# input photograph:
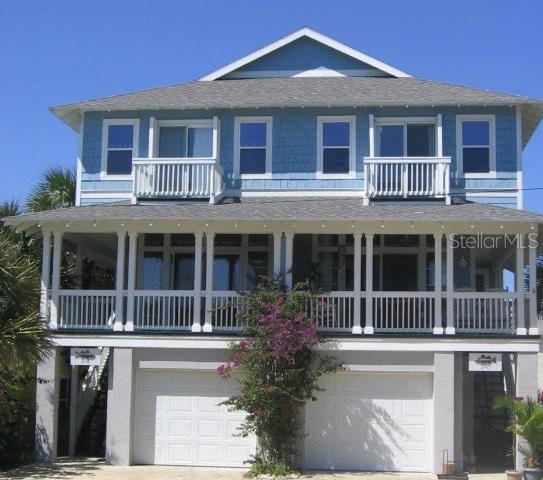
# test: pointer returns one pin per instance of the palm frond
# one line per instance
(55, 190)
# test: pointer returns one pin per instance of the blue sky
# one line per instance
(62, 51)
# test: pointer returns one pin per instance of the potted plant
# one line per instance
(526, 421)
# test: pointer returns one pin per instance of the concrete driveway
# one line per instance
(86, 469)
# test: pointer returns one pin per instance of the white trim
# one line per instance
(389, 368)
(520, 176)
(79, 168)
(101, 194)
(135, 145)
(315, 72)
(356, 343)
(372, 134)
(316, 192)
(492, 144)
(304, 32)
(268, 120)
(321, 120)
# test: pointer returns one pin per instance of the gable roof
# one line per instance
(318, 37)
(321, 92)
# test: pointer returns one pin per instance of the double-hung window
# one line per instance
(409, 137)
(475, 137)
(119, 147)
(336, 149)
(253, 147)
(185, 139)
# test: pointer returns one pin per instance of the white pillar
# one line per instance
(438, 260)
(210, 252)
(450, 330)
(519, 280)
(289, 241)
(277, 238)
(45, 273)
(119, 281)
(55, 281)
(74, 390)
(196, 320)
(532, 254)
(132, 257)
(357, 283)
(368, 329)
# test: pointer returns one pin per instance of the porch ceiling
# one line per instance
(310, 209)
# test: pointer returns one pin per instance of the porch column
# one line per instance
(55, 281)
(45, 273)
(438, 260)
(289, 242)
(47, 393)
(533, 327)
(519, 281)
(119, 282)
(132, 257)
(120, 407)
(74, 390)
(526, 386)
(357, 282)
(368, 329)
(277, 238)
(450, 330)
(196, 320)
(210, 247)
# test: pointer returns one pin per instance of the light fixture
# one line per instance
(178, 224)
(412, 224)
(471, 225)
(207, 224)
(39, 225)
(531, 226)
(323, 225)
(122, 224)
(67, 225)
(264, 226)
(150, 224)
(501, 227)
(235, 225)
(382, 224)
(442, 226)
(95, 224)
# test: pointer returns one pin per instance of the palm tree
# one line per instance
(56, 189)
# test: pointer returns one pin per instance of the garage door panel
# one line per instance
(179, 421)
(376, 428)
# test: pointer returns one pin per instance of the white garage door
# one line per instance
(372, 422)
(178, 420)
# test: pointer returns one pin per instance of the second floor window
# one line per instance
(185, 141)
(253, 146)
(119, 146)
(475, 144)
(405, 138)
(336, 146)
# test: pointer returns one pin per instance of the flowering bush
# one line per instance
(279, 369)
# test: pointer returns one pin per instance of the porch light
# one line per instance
(442, 226)
(178, 224)
(122, 224)
(67, 225)
(39, 225)
(235, 225)
(94, 224)
(412, 225)
(382, 225)
(150, 224)
(471, 225)
(501, 227)
(531, 226)
(207, 224)
(323, 225)
(264, 226)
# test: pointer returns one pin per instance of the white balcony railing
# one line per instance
(488, 312)
(177, 178)
(333, 311)
(403, 311)
(402, 177)
(163, 309)
(86, 309)
(391, 312)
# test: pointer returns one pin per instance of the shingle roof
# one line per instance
(307, 92)
(286, 209)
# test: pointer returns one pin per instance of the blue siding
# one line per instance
(294, 144)
(305, 54)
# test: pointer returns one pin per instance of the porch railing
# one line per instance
(488, 312)
(333, 311)
(177, 178)
(86, 309)
(407, 177)
(403, 311)
(163, 309)
(391, 312)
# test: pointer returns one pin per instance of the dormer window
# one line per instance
(475, 136)
(336, 147)
(119, 147)
(252, 144)
(409, 137)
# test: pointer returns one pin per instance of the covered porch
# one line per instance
(371, 278)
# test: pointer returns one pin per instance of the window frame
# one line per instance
(106, 123)
(321, 120)
(491, 119)
(238, 121)
(404, 122)
(195, 123)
